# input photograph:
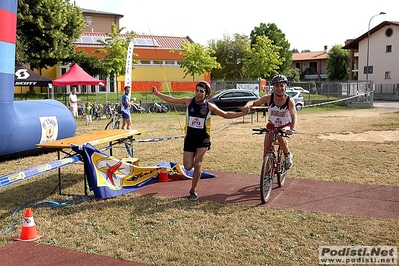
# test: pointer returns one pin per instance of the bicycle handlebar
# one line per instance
(263, 130)
(259, 130)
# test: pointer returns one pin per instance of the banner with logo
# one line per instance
(49, 126)
(109, 177)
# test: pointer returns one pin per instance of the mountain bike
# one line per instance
(158, 108)
(273, 164)
(114, 123)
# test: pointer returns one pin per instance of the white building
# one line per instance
(383, 61)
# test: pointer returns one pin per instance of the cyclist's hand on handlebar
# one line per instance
(289, 132)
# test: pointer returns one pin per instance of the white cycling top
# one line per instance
(279, 116)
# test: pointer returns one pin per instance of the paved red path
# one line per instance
(34, 254)
(381, 202)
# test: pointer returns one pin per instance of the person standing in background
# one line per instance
(125, 109)
(88, 108)
(73, 102)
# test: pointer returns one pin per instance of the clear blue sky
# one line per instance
(307, 24)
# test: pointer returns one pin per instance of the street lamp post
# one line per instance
(368, 52)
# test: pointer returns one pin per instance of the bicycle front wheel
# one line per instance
(266, 178)
(109, 125)
(282, 172)
(117, 124)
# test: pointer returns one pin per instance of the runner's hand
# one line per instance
(154, 90)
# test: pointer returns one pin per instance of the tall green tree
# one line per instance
(293, 74)
(115, 51)
(46, 30)
(90, 63)
(338, 63)
(197, 59)
(271, 31)
(230, 53)
(263, 60)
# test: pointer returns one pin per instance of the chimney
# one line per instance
(325, 48)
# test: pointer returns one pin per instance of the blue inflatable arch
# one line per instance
(23, 124)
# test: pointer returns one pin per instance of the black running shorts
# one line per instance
(191, 143)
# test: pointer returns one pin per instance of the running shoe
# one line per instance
(193, 195)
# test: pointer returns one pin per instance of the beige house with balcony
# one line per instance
(383, 54)
(313, 64)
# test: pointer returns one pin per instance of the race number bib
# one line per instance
(196, 122)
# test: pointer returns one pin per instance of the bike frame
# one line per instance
(273, 164)
(275, 149)
(114, 123)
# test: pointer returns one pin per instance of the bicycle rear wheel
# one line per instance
(165, 109)
(153, 109)
(282, 172)
(266, 178)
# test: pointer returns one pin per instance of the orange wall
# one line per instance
(156, 54)
(145, 86)
(184, 86)
(176, 86)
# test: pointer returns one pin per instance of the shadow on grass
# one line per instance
(41, 187)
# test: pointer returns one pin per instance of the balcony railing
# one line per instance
(315, 76)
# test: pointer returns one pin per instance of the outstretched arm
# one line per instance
(229, 115)
(263, 100)
(170, 99)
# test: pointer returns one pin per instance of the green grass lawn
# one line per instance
(170, 231)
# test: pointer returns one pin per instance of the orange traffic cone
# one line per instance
(163, 176)
(28, 228)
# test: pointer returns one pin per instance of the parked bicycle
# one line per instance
(158, 108)
(115, 122)
(109, 109)
(137, 108)
(273, 164)
(97, 111)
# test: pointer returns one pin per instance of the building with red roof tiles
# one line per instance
(158, 65)
(313, 64)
